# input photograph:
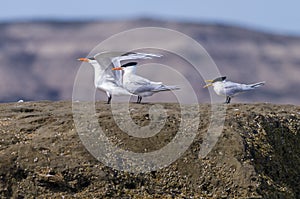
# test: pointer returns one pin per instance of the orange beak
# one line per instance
(207, 85)
(83, 59)
(118, 68)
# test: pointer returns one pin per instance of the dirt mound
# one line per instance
(256, 156)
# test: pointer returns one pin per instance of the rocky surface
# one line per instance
(257, 154)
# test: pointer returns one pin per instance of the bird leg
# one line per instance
(139, 99)
(227, 100)
(109, 99)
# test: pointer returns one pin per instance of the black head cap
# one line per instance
(219, 79)
(91, 58)
(129, 64)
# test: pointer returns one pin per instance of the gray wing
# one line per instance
(233, 88)
(104, 60)
(109, 60)
(138, 80)
(139, 84)
(136, 55)
(131, 56)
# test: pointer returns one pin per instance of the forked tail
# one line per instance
(167, 88)
(257, 84)
(172, 87)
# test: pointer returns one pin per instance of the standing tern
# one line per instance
(105, 80)
(111, 81)
(140, 85)
(230, 89)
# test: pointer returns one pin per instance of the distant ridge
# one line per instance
(38, 59)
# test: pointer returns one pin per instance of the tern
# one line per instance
(105, 80)
(111, 81)
(230, 89)
(139, 85)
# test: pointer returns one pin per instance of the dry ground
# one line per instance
(256, 156)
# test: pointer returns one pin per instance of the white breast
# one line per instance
(219, 88)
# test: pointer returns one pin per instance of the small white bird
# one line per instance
(140, 85)
(111, 81)
(230, 89)
(105, 79)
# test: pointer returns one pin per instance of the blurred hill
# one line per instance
(38, 59)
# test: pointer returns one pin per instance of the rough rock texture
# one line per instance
(256, 156)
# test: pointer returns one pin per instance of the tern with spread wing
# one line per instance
(230, 89)
(139, 85)
(116, 60)
(105, 78)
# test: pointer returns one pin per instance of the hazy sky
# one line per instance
(279, 16)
